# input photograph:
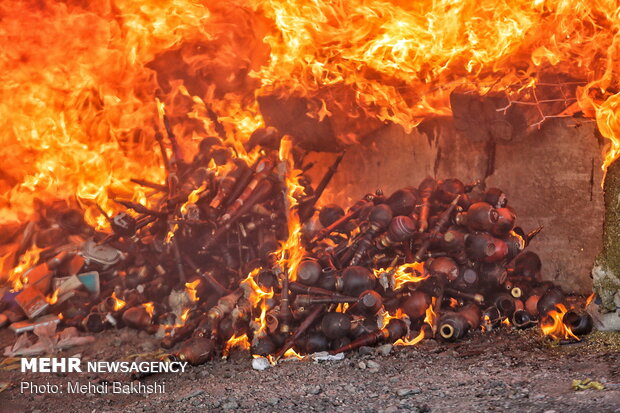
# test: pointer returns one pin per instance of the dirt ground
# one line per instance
(498, 371)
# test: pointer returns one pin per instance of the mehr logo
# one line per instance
(51, 365)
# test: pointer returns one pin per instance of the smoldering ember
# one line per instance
(296, 205)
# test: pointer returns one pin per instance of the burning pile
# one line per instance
(233, 252)
(221, 244)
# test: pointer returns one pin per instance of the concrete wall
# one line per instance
(552, 177)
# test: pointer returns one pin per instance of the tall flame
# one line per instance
(402, 59)
(291, 252)
(78, 110)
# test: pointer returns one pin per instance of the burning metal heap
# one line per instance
(234, 252)
(115, 210)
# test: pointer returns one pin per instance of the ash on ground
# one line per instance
(505, 370)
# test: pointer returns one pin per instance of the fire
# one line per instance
(256, 292)
(192, 198)
(289, 354)
(385, 317)
(291, 251)
(429, 319)
(235, 341)
(26, 260)
(435, 47)
(485, 325)
(118, 303)
(405, 273)
(184, 316)
(292, 354)
(149, 307)
(552, 325)
(190, 289)
(53, 298)
(401, 315)
(78, 108)
(168, 328)
(431, 316)
(257, 296)
(412, 342)
(607, 117)
(261, 321)
(233, 116)
(342, 307)
(80, 113)
(589, 300)
(170, 233)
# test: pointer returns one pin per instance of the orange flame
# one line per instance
(607, 115)
(385, 316)
(404, 341)
(431, 317)
(190, 289)
(289, 354)
(256, 293)
(235, 341)
(118, 303)
(552, 325)
(170, 233)
(184, 316)
(79, 108)
(192, 198)
(412, 342)
(291, 252)
(485, 324)
(27, 260)
(149, 307)
(261, 321)
(257, 296)
(292, 354)
(53, 298)
(405, 273)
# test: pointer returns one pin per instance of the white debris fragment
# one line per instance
(260, 363)
(325, 356)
